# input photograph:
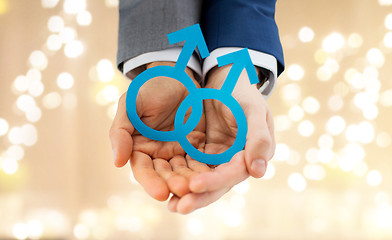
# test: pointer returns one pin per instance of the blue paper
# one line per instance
(193, 38)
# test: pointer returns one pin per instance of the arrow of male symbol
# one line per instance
(193, 38)
(240, 60)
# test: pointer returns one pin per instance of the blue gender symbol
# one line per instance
(193, 38)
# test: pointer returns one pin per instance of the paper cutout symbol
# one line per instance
(193, 38)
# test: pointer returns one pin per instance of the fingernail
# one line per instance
(258, 167)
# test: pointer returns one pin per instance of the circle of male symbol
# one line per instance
(240, 60)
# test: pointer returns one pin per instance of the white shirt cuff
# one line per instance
(136, 65)
(259, 59)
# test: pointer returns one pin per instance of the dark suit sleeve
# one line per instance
(242, 23)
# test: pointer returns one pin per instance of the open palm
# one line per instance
(221, 131)
(160, 167)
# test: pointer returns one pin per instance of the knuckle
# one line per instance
(265, 141)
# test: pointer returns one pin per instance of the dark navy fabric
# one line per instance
(242, 23)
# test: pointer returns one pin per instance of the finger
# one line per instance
(121, 134)
(180, 166)
(144, 172)
(196, 165)
(259, 147)
(224, 176)
(173, 202)
(177, 184)
(271, 128)
(193, 201)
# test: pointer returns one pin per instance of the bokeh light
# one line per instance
(74, 6)
(335, 125)
(54, 42)
(375, 57)
(67, 34)
(25, 102)
(282, 152)
(33, 114)
(84, 18)
(388, 21)
(296, 113)
(314, 172)
(386, 98)
(3, 126)
(297, 182)
(112, 3)
(65, 80)
(81, 231)
(34, 229)
(282, 123)
(306, 34)
(291, 93)
(374, 178)
(355, 40)
(325, 155)
(51, 100)
(73, 49)
(385, 2)
(311, 105)
(270, 171)
(9, 166)
(20, 231)
(105, 70)
(49, 3)
(335, 103)
(15, 152)
(311, 155)
(56, 24)
(295, 72)
(324, 74)
(306, 128)
(325, 141)
(351, 156)
(383, 139)
(333, 42)
(38, 60)
(388, 40)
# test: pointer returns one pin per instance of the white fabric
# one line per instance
(167, 55)
(259, 59)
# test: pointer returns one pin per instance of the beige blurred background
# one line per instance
(330, 177)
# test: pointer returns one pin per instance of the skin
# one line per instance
(163, 167)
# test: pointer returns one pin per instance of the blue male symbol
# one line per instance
(240, 60)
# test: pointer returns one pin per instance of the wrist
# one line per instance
(188, 70)
(217, 75)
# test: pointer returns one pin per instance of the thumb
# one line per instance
(121, 134)
(260, 144)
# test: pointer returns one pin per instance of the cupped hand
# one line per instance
(160, 167)
(221, 126)
(221, 131)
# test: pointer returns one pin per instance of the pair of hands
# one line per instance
(164, 167)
